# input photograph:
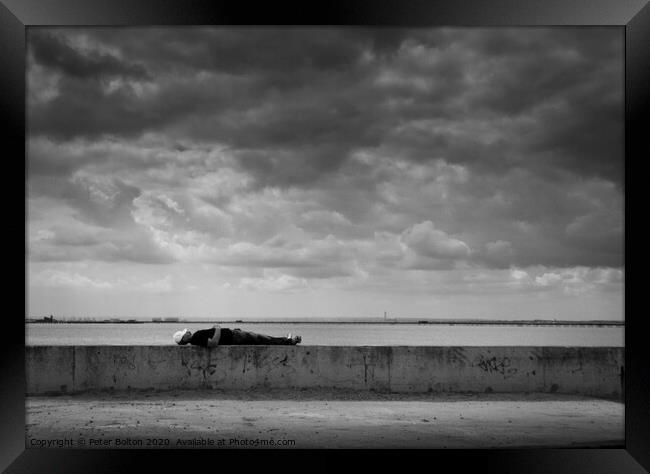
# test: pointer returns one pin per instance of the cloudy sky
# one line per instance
(257, 172)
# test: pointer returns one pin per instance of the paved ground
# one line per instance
(312, 419)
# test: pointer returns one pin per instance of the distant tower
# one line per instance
(385, 315)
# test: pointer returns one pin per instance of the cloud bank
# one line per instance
(444, 161)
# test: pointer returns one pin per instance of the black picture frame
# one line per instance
(632, 15)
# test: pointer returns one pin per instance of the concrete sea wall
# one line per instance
(596, 371)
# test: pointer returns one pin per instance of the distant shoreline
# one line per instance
(422, 322)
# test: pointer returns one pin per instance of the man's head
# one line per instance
(182, 337)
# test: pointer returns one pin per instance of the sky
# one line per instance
(314, 173)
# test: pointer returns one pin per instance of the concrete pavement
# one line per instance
(317, 418)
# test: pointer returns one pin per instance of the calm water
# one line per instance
(336, 334)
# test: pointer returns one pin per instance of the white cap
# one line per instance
(178, 335)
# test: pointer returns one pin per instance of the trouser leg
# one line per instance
(240, 337)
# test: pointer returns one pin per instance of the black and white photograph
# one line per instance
(325, 237)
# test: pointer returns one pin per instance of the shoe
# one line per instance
(294, 339)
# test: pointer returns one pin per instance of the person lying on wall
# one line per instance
(217, 335)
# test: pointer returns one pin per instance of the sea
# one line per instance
(333, 334)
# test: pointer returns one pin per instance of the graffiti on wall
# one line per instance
(495, 365)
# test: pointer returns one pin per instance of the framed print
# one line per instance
(353, 226)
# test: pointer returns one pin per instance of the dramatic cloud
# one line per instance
(55, 53)
(291, 161)
(429, 242)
